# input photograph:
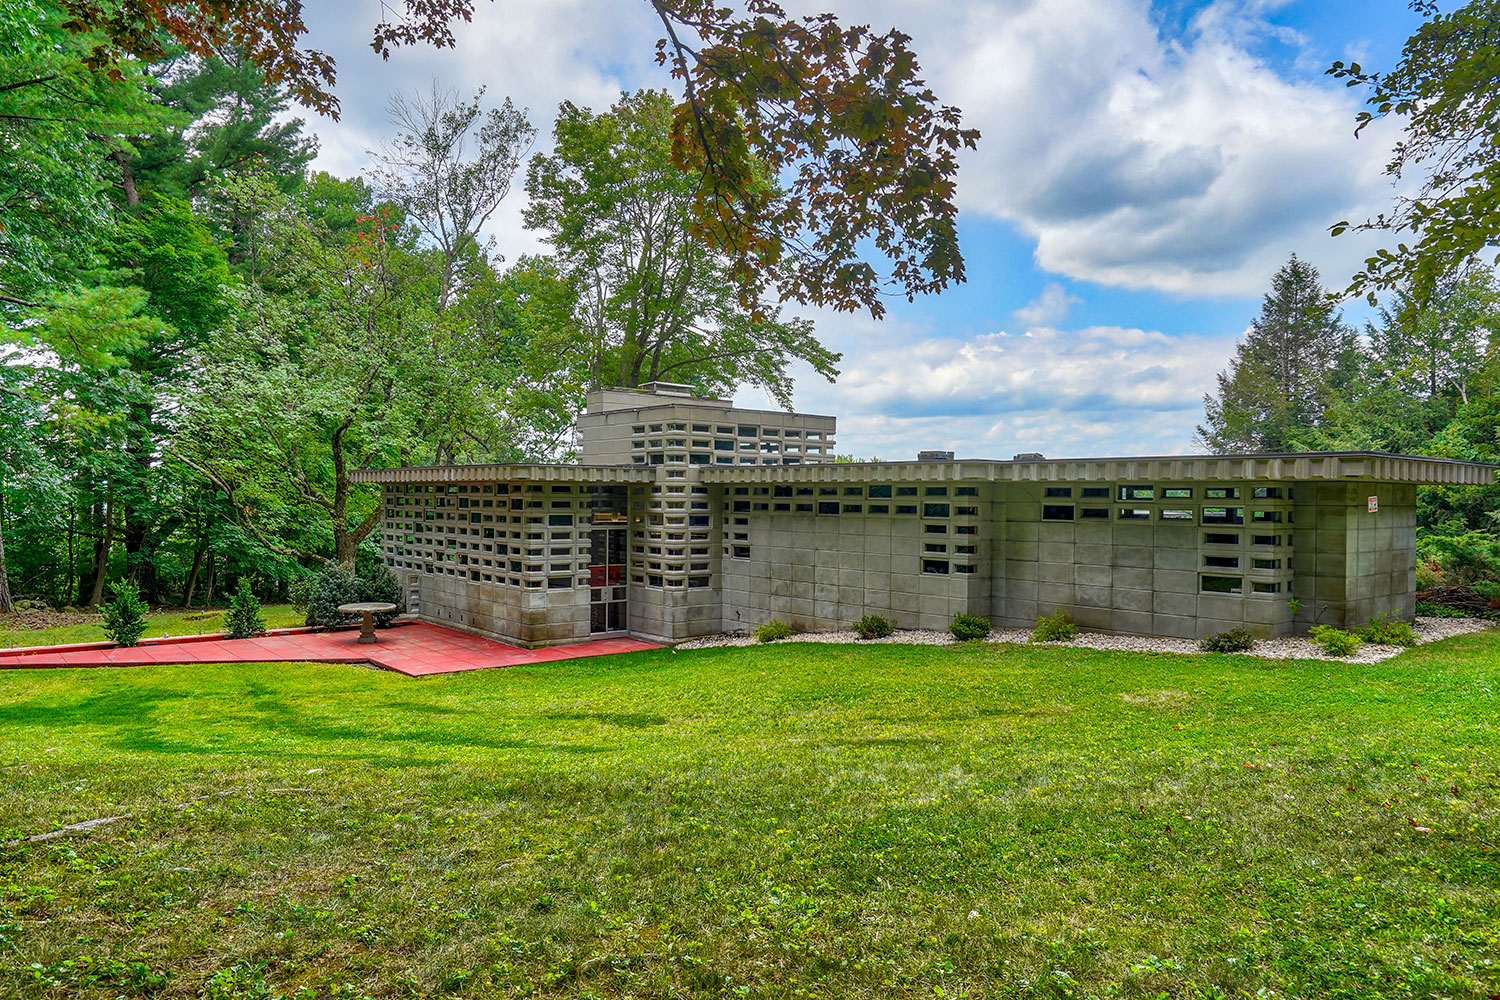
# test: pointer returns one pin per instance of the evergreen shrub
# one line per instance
(125, 615)
(966, 627)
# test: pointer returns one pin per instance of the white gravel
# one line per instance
(1284, 648)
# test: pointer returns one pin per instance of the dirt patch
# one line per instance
(1161, 698)
(34, 620)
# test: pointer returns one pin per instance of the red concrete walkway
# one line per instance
(415, 649)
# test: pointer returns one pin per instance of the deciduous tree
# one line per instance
(1443, 92)
(839, 113)
(650, 300)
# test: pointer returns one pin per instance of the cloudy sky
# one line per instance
(1144, 169)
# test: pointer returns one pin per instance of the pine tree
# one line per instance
(1285, 373)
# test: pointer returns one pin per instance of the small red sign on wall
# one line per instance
(1373, 504)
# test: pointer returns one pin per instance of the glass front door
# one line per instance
(607, 580)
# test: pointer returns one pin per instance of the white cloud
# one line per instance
(1052, 306)
(1094, 390)
(1183, 165)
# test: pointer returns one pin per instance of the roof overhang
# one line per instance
(548, 473)
(1310, 466)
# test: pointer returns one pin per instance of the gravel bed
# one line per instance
(1289, 647)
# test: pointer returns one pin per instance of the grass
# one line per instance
(800, 821)
(160, 623)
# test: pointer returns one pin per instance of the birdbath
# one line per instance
(369, 609)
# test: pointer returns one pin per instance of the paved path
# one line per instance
(415, 649)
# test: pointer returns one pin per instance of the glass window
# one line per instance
(1221, 493)
(1058, 491)
(934, 510)
(1057, 512)
(1223, 515)
(1134, 514)
(1094, 492)
(1176, 515)
(828, 507)
(1137, 492)
(1221, 584)
(880, 492)
(1094, 512)
(939, 566)
(1177, 493)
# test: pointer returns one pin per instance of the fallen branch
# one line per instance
(90, 824)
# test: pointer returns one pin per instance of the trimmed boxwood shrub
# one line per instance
(1236, 640)
(873, 627)
(967, 627)
(773, 630)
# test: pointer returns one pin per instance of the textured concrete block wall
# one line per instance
(1138, 576)
(826, 571)
(1352, 563)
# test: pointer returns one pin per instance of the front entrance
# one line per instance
(607, 580)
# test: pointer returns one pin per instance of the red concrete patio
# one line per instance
(416, 649)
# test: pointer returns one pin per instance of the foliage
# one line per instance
(838, 114)
(1235, 640)
(1459, 560)
(335, 586)
(61, 125)
(449, 166)
(873, 627)
(1285, 373)
(1428, 610)
(773, 630)
(244, 619)
(649, 299)
(125, 615)
(440, 815)
(377, 583)
(967, 627)
(1385, 630)
(1440, 91)
(1334, 641)
(1056, 627)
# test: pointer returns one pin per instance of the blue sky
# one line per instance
(1144, 170)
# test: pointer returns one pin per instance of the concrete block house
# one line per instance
(689, 516)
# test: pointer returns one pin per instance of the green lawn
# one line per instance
(789, 821)
(161, 623)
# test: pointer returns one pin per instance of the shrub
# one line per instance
(1334, 641)
(966, 627)
(245, 619)
(773, 630)
(1236, 640)
(379, 584)
(125, 615)
(335, 586)
(1384, 630)
(299, 591)
(1056, 627)
(332, 587)
(873, 627)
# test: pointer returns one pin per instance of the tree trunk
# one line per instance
(127, 177)
(101, 558)
(213, 575)
(192, 580)
(7, 603)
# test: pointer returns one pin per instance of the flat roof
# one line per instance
(556, 472)
(1367, 466)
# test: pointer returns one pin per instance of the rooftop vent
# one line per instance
(667, 389)
(934, 456)
(1029, 456)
